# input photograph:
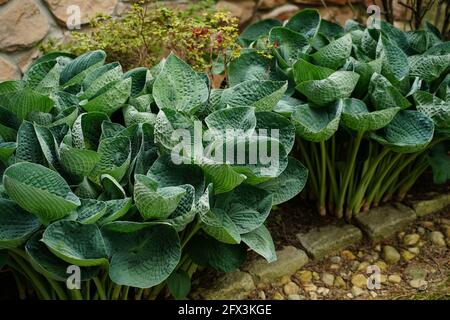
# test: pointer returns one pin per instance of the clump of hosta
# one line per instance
(368, 104)
(98, 176)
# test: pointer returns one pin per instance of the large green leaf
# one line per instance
(276, 126)
(76, 243)
(167, 121)
(384, 95)
(305, 71)
(78, 162)
(334, 54)
(338, 85)
(260, 241)
(25, 101)
(39, 190)
(409, 131)
(317, 124)
(179, 284)
(43, 77)
(250, 66)
(256, 30)
(179, 87)
(306, 22)
(100, 78)
(395, 61)
(357, 116)
(435, 108)
(90, 211)
(288, 44)
(141, 255)
(87, 130)
(439, 160)
(428, 67)
(75, 71)
(238, 120)
(16, 225)
(115, 209)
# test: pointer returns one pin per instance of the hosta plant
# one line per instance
(100, 188)
(368, 103)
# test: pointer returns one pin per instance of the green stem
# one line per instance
(100, 288)
(138, 295)
(116, 292)
(323, 178)
(76, 294)
(59, 291)
(312, 177)
(156, 291)
(125, 292)
(196, 227)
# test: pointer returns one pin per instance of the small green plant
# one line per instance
(199, 34)
(368, 104)
(89, 177)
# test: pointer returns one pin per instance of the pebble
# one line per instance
(437, 238)
(315, 275)
(369, 258)
(349, 295)
(394, 278)
(447, 231)
(285, 280)
(335, 267)
(445, 221)
(296, 297)
(291, 288)
(416, 272)
(419, 284)
(381, 264)
(339, 282)
(427, 224)
(421, 230)
(335, 259)
(363, 266)
(323, 291)
(373, 294)
(261, 295)
(309, 287)
(328, 279)
(408, 256)
(401, 235)
(377, 248)
(390, 255)
(415, 250)
(356, 291)
(313, 295)
(348, 255)
(304, 276)
(359, 280)
(411, 239)
(262, 286)
(278, 296)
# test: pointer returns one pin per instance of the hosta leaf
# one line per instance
(179, 284)
(112, 189)
(222, 176)
(44, 77)
(3, 258)
(409, 131)
(260, 241)
(16, 225)
(384, 95)
(75, 71)
(9, 124)
(185, 212)
(317, 124)
(287, 105)
(250, 66)
(306, 22)
(78, 162)
(304, 71)
(141, 255)
(334, 54)
(100, 78)
(87, 130)
(357, 116)
(7, 150)
(264, 95)
(237, 121)
(215, 254)
(421, 40)
(139, 78)
(440, 162)
(428, 67)
(365, 71)
(290, 183)
(256, 30)
(115, 209)
(131, 116)
(76, 243)
(179, 87)
(39, 190)
(435, 108)
(46, 263)
(338, 85)
(90, 211)
(167, 121)
(276, 126)
(289, 44)
(109, 98)
(395, 61)
(153, 202)
(25, 101)
(330, 29)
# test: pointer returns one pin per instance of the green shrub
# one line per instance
(89, 177)
(198, 34)
(368, 104)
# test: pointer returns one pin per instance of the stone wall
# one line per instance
(26, 23)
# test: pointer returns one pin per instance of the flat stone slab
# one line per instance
(290, 260)
(383, 222)
(324, 241)
(425, 207)
(235, 285)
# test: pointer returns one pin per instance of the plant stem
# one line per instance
(307, 159)
(116, 292)
(59, 291)
(100, 288)
(323, 178)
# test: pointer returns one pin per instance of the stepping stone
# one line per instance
(425, 207)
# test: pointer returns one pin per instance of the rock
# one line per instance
(270, 4)
(315, 275)
(3, 2)
(390, 255)
(373, 294)
(339, 282)
(242, 10)
(285, 280)
(369, 258)
(418, 284)
(313, 295)
(291, 288)
(323, 291)
(414, 250)
(401, 235)
(290, 259)
(235, 285)
(445, 221)
(8, 71)
(296, 297)
(25, 60)
(363, 266)
(357, 291)
(437, 238)
(261, 295)
(349, 295)
(381, 264)
(327, 279)
(411, 239)
(394, 278)
(281, 13)
(421, 230)
(278, 296)
(329, 239)
(348, 255)
(359, 280)
(309, 287)
(407, 255)
(354, 265)
(335, 267)
(335, 260)
(22, 26)
(304, 276)
(88, 9)
(425, 207)
(447, 231)
(383, 278)
(383, 222)
(416, 272)
(377, 248)
(427, 224)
